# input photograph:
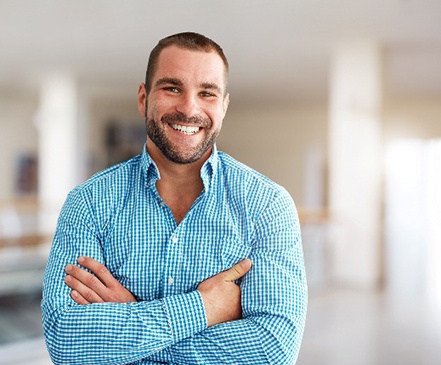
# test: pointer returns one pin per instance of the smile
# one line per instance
(185, 129)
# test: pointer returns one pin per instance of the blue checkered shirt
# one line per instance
(118, 218)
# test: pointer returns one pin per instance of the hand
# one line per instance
(221, 296)
(98, 287)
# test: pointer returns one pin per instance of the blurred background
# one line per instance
(338, 101)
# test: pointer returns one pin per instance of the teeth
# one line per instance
(184, 129)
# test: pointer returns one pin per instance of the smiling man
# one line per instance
(181, 255)
(185, 111)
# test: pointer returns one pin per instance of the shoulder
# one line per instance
(246, 183)
(247, 176)
(117, 174)
(107, 187)
(113, 178)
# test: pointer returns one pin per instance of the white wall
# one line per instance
(276, 140)
(412, 118)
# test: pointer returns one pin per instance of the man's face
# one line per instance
(186, 104)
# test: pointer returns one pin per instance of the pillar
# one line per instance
(355, 163)
(60, 120)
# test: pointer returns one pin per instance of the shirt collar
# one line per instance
(208, 170)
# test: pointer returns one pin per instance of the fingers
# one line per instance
(79, 299)
(95, 287)
(87, 284)
(81, 293)
(237, 271)
(98, 269)
(221, 296)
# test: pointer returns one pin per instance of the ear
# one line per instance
(142, 100)
(226, 102)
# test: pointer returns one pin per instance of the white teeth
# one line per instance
(185, 129)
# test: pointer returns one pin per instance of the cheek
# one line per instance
(217, 117)
(156, 109)
(152, 111)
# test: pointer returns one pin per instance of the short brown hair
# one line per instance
(187, 40)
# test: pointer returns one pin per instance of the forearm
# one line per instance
(114, 333)
(247, 341)
(270, 333)
(274, 310)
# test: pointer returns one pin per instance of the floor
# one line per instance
(344, 327)
(352, 327)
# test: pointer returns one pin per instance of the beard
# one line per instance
(156, 132)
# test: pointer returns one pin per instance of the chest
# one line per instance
(179, 208)
(154, 257)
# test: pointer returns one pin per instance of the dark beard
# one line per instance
(159, 138)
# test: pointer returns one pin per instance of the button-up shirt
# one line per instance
(118, 218)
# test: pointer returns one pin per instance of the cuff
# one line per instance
(186, 315)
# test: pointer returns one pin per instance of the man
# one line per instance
(191, 257)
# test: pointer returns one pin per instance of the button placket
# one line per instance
(173, 263)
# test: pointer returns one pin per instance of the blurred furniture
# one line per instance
(23, 249)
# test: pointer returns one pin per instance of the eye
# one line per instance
(207, 94)
(171, 89)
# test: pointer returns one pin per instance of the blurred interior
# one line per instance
(339, 102)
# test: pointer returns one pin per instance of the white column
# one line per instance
(60, 120)
(355, 164)
(412, 221)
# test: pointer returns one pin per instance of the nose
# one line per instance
(188, 105)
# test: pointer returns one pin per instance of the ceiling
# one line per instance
(278, 50)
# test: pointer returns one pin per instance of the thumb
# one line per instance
(238, 270)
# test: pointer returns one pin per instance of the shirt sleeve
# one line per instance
(274, 300)
(106, 333)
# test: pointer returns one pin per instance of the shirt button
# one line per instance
(175, 239)
(170, 280)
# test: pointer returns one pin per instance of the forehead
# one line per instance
(191, 66)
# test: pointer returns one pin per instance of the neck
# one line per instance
(179, 185)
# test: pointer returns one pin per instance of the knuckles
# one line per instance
(101, 270)
(92, 282)
(89, 296)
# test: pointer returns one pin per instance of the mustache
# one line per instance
(179, 117)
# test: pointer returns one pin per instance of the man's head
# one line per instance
(186, 40)
(184, 99)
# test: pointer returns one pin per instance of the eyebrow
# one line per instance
(212, 86)
(168, 81)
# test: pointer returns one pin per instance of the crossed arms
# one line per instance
(260, 322)
(220, 295)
